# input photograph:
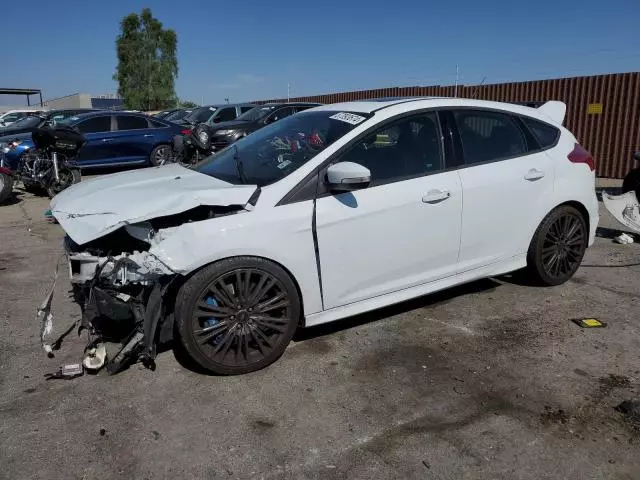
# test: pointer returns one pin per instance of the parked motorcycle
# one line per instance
(50, 164)
(189, 149)
(625, 207)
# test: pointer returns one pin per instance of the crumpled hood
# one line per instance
(96, 207)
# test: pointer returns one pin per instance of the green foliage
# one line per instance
(147, 63)
(187, 104)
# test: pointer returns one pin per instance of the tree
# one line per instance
(147, 64)
(187, 104)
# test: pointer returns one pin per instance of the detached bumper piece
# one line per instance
(121, 302)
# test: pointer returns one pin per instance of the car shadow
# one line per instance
(610, 233)
(308, 333)
(425, 301)
(609, 190)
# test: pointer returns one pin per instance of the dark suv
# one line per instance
(214, 114)
(223, 134)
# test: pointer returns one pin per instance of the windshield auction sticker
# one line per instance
(348, 117)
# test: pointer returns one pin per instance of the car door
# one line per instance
(401, 231)
(95, 151)
(133, 140)
(507, 183)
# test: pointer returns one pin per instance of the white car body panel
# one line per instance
(386, 238)
(94, 208)
(376, 246)
(502, 208)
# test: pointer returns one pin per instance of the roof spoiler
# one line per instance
(554, 110)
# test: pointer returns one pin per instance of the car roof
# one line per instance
(290, 104)
(410, 103)
(221, 105)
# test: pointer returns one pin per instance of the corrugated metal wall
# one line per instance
(603, 111)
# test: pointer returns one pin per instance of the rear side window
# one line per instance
(95, 124)
(131, 123)
(488, 136)
(545, 134)
(246, 108)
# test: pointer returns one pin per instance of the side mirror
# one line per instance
(636, 156)
(347, 176)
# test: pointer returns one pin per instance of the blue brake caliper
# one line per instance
(211, 321)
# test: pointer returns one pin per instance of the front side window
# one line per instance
(225, 115)
(95, 124)
(273, 152)
(126, 122)
(245, 108)
(279, 114)
(488, 136)
(200, 115)
(256, 113)
(404, 149)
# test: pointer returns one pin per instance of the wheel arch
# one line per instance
(180, 280)
(578, 206)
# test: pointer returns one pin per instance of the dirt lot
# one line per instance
(491, 380)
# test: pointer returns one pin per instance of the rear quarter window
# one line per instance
(546, 135)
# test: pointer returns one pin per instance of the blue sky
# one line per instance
(250, 50)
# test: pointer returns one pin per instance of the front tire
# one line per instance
(558, 246)
(6, 187)
(237, 315)
(68, 177)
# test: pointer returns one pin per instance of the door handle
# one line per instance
(435, 196)
(105, 140)
(534, 174)
(146, 135)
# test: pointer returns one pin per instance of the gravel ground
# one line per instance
(488, 380)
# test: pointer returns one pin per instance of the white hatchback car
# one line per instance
(331, 212)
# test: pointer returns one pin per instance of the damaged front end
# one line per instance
(125, 292)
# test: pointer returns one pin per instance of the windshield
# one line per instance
(273, 152)
(255, 114)
(178, 115)
(200, 115)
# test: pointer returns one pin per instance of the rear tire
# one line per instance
(160, 155)
(237, 315)
(558, 246)
(6, 187)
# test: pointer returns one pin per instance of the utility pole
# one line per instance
(455, 90)
(288, 88)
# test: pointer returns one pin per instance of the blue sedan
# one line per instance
(118, 138)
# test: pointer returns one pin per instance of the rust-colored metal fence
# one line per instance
(603, 111)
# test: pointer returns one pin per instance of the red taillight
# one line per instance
(186, 132)
(580, 155)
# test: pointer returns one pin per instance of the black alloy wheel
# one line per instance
(558, 246)
(237, 315)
